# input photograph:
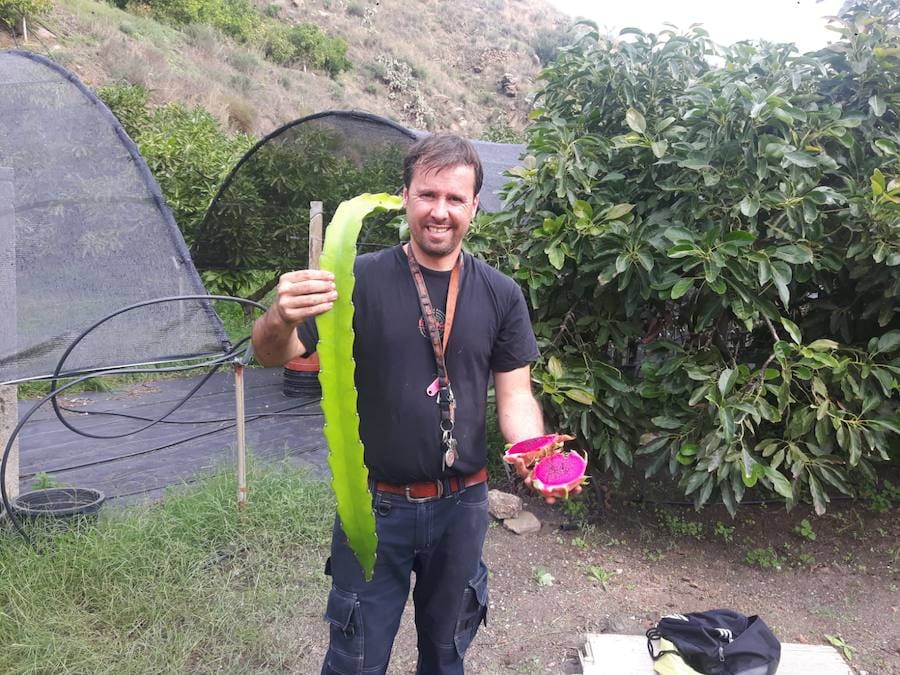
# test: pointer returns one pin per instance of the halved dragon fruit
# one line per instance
(525, 453)
(558, 474)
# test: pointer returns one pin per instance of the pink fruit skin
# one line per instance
(559, 475)
(525, 453)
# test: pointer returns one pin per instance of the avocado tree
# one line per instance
(710, 242)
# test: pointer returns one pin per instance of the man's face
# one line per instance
(439, 207)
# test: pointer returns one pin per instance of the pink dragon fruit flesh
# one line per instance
(525, 453)
(558, 475)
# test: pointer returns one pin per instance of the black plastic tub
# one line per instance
(298, 384)
(60, 502)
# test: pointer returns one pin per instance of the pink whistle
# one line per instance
(434, 387)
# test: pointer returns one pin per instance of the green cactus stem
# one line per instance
(345, 457)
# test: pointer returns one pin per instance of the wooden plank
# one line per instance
(610, 654)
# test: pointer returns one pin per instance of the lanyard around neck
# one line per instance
(445, 397)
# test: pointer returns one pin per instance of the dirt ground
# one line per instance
(641, 560)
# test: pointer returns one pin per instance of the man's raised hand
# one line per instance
(303, 294)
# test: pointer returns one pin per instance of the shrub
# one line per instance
(186, 149)
(236, 18)
(712, 256)
(11, 11)
(548, 41)
(319, 50)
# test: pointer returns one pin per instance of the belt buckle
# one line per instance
(422, 500)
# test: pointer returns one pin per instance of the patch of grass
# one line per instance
(185, 585)
(765, 558)
(679, 526)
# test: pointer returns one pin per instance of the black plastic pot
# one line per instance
(301, 384)
(68, 502)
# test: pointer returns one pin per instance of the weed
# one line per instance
(679, 526)
(838, 641)
(765, 558)
(542, 577)
(579, 542)
(576, 510)
(598, 574)
(725, 532)
(655, 555)
(884, 499)
(43, 481)
(805, 530)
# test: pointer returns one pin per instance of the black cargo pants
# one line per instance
(441, 541)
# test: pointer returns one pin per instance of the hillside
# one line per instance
(426, 64)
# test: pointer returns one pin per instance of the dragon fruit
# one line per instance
(558, 474)
(525, 453)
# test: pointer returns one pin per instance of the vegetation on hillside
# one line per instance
(256, 65)
(712, 256)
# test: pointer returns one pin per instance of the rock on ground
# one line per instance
(503, 505)
(524, 523)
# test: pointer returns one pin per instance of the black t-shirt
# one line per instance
(399, 422)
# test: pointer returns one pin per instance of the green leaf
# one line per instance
(665, 422)
(581, 396)
(582, 210)
(682, 251)
(878, 105)
(727, 378)
(739, 238)
(681, 287)
(781, 484)
(556, 257)
(726, 419)
(823, 345)
(794, 254)
(350, 477)
(659, 148)
(792, 330)
(889, 342)
(635, 121)
(877, 183)
(555, 367)
(800, 159)
(749, 205)
(618, 211)
(818, 495)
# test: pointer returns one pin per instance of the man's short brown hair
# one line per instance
(442, 151)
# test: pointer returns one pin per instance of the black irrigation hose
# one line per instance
(58, 372)
(230, 423)
(253, 416)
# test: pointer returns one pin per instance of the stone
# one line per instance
(509, 86)
(503, 505)
(525, 523)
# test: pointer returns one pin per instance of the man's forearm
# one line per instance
(519, 416)
(275, 342)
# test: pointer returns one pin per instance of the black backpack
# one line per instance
(719, 642)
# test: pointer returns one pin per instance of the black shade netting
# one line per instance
(259, 220)
(88, 234)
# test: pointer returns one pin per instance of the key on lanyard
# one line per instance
(450, 453)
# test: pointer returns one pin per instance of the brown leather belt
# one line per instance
(427, 490)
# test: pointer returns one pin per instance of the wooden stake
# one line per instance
(241, 435)
(315, 234)
(9, 404)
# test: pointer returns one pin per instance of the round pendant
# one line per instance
(449, 457)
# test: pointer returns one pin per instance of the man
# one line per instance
(426, 464)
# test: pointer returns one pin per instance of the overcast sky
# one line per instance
(797, 21)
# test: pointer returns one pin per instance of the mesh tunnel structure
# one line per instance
(90, 234)
(260, 217)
